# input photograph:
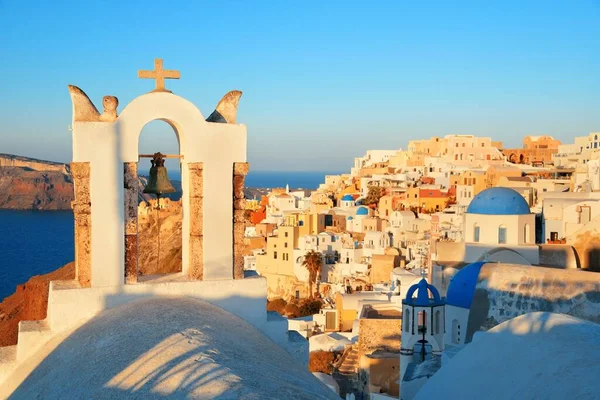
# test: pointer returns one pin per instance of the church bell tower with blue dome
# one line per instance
(423, 325)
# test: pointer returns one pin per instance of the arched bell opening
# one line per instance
(159, 211)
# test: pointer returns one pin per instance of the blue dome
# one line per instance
(362, 211)
(462, 286)
(498, 201)
(350, 218)
(423, 300)
(348, 198)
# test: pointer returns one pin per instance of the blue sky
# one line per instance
(323, 81)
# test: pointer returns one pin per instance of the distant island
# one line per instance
(32, 184)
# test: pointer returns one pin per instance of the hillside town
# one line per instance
(427, 232)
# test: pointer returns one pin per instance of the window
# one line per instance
(526, 233)
(285, 244)
(476, 233)
(463, 145)
(455, 332)
(502, 234)
(297, 294)
(438, 321)
(286, 234)
(274, 255)
(406, 318)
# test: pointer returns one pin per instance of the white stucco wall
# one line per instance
(489, 225)
(107, 145)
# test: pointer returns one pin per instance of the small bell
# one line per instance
(158, 182)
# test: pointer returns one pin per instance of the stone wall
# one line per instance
(82, 213)
(379, 334)
(196, 212)
(131, 222)
(505, 291)
(558, 256)
(240, 170)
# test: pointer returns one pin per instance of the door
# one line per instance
(330, 320)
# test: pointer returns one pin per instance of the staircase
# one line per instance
(350, 360)
(346, 372)
(32, 336)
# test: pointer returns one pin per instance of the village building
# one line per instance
(536, 150)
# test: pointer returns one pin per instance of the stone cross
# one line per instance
(159, 74)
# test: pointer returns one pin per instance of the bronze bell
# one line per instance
(158, 183)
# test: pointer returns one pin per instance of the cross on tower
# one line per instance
(160, 75)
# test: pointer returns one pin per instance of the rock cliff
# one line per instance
(30, 184)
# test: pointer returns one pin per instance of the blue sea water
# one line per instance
(38, 242)
(33, 243)
(296, 180)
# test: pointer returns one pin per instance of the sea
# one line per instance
(38, 242)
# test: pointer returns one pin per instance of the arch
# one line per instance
(522, 159)
(513, 158)
(502, 234)
(526, 233)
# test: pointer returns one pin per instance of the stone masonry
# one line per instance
(82, 213)
(196, 246)
(240, 170)
(131, 222)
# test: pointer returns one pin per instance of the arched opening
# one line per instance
(455, 332)
(526, 233)
(406, 318)
(159, 251)
(476, 232)
(521, 159)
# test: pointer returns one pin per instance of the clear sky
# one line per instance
(323, 81)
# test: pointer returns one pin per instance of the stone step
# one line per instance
(8, 359)
(32, 335)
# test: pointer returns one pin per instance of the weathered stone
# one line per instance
(241, 168)
(196, 268)
(159, 74)
(195, 166)
(196, 224)
(81, 208)
(83, 222)
(238, 186)
(131, 258)
(239, 228)
(196, 183)
(131, 198)
(196, 216)
(239, 204)
(238, 267)
(226, 110)
(80, 170)
(239, 216)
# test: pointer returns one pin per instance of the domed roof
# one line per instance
(362, 211)
(349, 217)
(179, 348)
(347, 198)
(423, 289)
(462, 286)
(498, 201)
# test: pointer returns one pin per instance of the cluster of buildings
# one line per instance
(408, 236)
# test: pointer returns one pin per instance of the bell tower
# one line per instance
(423, 325)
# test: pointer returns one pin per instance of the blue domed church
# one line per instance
(499, 216)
